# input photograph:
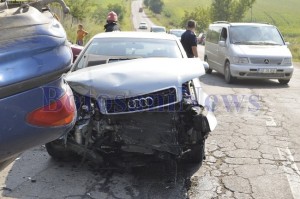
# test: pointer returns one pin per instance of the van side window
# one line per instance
(223, 35)
(213, 34)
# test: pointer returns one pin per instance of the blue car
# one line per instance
(36, 104)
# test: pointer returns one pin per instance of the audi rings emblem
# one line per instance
(140, 103)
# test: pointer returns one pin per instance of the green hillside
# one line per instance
(179, 6)
(90, 25)
(283, 14)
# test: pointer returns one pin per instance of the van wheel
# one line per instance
(209, 70)
(284, 81)
(228, 77)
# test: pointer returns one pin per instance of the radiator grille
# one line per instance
(142, 102)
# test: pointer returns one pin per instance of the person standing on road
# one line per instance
(189, 40)
(111, 22)
(81, 33)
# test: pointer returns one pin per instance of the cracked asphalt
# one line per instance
(255, 150)
(253, 153)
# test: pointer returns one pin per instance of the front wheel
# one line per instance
(196, 155)
(227, 73)
(59, 151)
(208, 70)
(284, 81)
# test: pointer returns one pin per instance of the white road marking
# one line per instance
(270, 122)
(291, 170)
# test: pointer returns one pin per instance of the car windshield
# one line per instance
(158, 29)
(103, 50)
(255, 35)
(177, 33)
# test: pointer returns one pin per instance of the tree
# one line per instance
(230, 10)
(120, 10)
(146, 3)
(156, 6)
(200, 15)
(99, 15)
(79, 9)
(221, 10)
(240, 8)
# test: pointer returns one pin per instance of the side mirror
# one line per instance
(222, 43)
(287, 43)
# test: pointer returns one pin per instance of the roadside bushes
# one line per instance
(230, 10)
(155, 6)
(200, 15)
(92, 15)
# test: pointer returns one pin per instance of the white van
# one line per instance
(249, 51)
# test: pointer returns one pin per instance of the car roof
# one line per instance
(227, 24)
(177, 30)
(158, 27)
(145, 35)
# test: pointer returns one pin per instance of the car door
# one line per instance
(211, 47)
(222, 49)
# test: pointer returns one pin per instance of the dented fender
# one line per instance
(209, 105)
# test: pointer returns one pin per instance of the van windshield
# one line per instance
(255, 35)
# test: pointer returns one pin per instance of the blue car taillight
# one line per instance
(58, 113)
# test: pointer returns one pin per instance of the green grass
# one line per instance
(283, 14)
(177, 7)
(90, 26)
(126, 24)
(174, 10)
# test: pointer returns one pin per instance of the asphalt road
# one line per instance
(138, 17)
(253, 153)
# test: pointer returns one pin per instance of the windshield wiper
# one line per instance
(122, 58)
(268, 43)
(244, 42)
(256, 43)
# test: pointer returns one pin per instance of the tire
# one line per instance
(284, 81)
(209, 70)
(227, 73)
(196, 155)
(58, 151)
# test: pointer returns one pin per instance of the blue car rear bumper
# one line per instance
(16, 134)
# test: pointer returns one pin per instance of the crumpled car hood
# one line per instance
(134, 77)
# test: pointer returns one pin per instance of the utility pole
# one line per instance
(251, 13)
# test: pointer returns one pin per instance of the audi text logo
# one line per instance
(140, 103)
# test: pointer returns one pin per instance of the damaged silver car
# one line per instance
(136, 93)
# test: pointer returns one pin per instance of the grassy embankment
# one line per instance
(173, 11)
(282, 14)
(70, 24)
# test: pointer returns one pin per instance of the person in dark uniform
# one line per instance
(111, 22)
(189, 40)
